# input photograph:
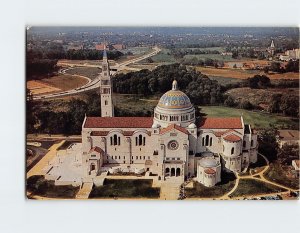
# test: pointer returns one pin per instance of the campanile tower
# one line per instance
(107, 108)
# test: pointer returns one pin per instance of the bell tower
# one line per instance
(107, 108)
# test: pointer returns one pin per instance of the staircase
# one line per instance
(85, 190)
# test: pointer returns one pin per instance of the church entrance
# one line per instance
(172, 171)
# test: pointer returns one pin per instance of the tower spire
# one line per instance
(107, 108)
(174, 85)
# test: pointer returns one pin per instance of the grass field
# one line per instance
(125, 189)
(38, 185)
(90, 72)
(218, 57)
(279, 174)
(200, 191)
(257, 120)
(65, 82)
(248, 187)
(242, 74)
(164, 56)
(38, 87)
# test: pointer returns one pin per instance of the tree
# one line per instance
(229, 101)
(267, 142)
(288, 153)
(290, 105)
(246, 105)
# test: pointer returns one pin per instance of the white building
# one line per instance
(170, 144)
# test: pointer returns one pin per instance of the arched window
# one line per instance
(232, 150)
(210, 141)
(223, 148)
(111, 141)
(144, 141)
(140, 140)
(136, 141)
(251, 142)
(244, 143)
(115, 140)
(119, 141)
(206, 140)
(203, 141)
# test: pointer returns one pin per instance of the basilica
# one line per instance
(170, 144)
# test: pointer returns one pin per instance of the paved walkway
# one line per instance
(38, 168)
(85, 191)
(259, 178)
(170, 188)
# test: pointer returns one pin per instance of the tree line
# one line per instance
(197, 86)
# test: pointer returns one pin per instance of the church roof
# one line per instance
(174, 126)
(118, 122)
(232, 138)
(96, 149)
(221, 123)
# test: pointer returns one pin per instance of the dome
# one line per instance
(174, 99)
(174, 107)
(208, 162)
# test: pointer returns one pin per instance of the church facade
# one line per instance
(170, 144)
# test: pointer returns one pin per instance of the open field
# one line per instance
(37, 87)
(280, 174)
(257, 120)
(218, 57)
(242, 74)
(249, 187)
(258, 96)
(90, 72)
(95, 63)
(163, 56)
(66, 82)
(125, 189)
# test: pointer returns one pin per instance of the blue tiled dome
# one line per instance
(174, 99)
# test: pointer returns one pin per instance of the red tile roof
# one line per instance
(96, 149)
(220, 133)
(209, 171)
(105, 133)
(173, 126)
(118, 122)
(232, 138)
(99, 133)
(221, 123)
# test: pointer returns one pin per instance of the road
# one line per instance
(92, 84)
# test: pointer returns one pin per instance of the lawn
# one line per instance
(164, 56)
(257, 119)
(90, 72)
(200, 191)
(125, 189)
(218, 57)
(134, 105)
(38, 185)
(248, 187)
(277, 173)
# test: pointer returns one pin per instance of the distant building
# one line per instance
(293, 54)
(101, 47)
(226, 53)
(271, 49)
(289, 137)
(119, 46)
(74, 47)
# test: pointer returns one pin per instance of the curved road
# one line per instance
(92, 84)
